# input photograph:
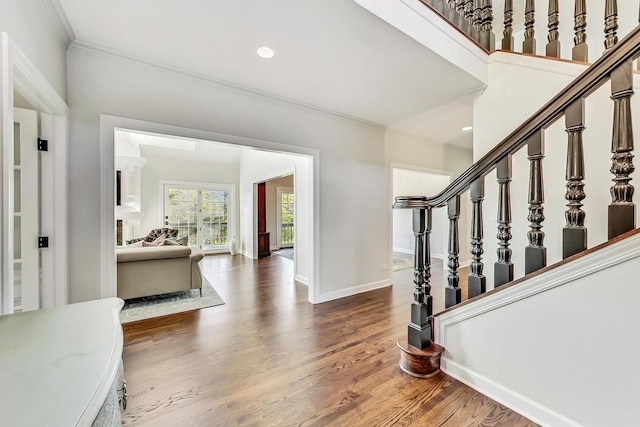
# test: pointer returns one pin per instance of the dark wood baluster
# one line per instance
(622, 209)
(610, 24)
(535, 254)
(468, 15)
(553, 47)
(529, 43)
(580, 51)
(639, 21)
(422, 306)
(462, 23)
(503, 267)
(477, 283)
(487, 38)
(477, 19)
(574, 234)
(507, 39)
(453, 293)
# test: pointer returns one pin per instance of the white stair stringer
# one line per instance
(560, 348)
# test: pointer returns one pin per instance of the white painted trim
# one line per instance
(60, 20)
(301, 279)
(534, 411)
(108, 124)
(82, 45)
(354, 290)
(599, 260)
(6, 147)
(19, 74)
(404, 251)
(539, 63)
(431, 30)
(33, 86)
(245, 254)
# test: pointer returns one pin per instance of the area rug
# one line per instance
(287, 253)
(402, 263)
(177, 302)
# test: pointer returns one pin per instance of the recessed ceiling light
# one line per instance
(265, 52)
(467, 128)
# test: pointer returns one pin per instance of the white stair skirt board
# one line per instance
(556, 348)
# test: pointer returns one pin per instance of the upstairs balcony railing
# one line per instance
(475, 18)
(615, 67)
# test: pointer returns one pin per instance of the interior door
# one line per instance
(24, 223)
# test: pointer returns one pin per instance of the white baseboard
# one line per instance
(342, 293)
(245, 253)
(437, 256)
(536, 412)
(275, 248)
(403, 251)
(301, 279)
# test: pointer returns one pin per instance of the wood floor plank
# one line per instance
(269, 358)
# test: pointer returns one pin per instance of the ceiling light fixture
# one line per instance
(467, 128)
(265, 52)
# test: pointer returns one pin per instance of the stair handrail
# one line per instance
(590, 80)
(419, 354)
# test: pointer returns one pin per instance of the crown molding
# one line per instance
(60, 20)
(82, 45)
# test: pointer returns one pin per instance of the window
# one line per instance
(202, 212)
(286, 209)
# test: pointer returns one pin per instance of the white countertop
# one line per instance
(57, 364)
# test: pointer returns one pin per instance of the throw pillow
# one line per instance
(137, 244)
(158, 242)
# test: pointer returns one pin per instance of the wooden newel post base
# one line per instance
(419, 363)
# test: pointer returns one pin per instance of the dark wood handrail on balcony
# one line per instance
(616, 66)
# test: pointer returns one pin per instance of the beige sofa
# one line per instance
(154, 270)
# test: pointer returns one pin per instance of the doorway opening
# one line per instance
(409, 181)
(254, 161)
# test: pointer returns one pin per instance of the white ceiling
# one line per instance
(330, 54)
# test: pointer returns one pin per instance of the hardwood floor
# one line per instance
(269, 358)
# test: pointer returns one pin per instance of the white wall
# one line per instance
(414, 183)
(354, 215)
(531, 82)
(272, 205)
(161, 166)
(36, 30)
(567, 356)
(410, 152)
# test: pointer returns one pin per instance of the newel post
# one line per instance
(419, 328)
(419, 356)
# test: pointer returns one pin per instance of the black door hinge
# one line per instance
(43, 144)
(43, 242)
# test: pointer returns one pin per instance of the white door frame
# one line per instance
(108, 125)
(19, 74)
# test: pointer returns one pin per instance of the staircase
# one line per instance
(557, 344)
